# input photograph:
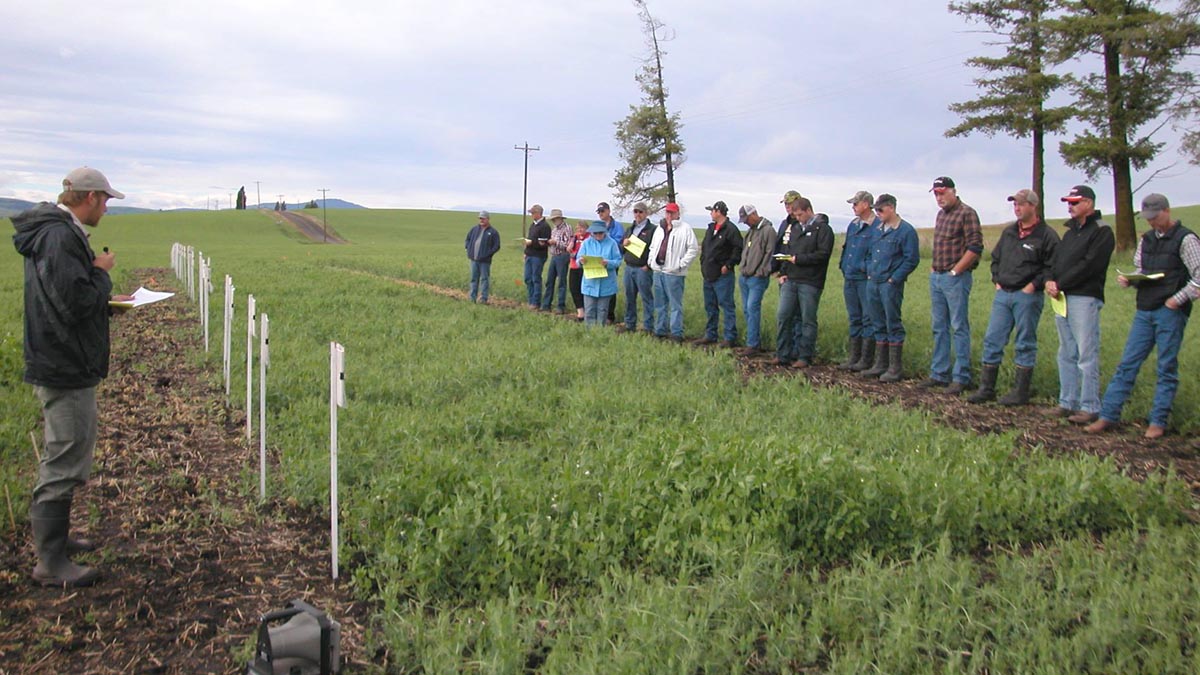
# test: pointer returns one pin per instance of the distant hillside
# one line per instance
(331, 204)
(11, 207)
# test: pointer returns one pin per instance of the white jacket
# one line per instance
(682, 249)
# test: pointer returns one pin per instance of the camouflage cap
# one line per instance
(789, 197)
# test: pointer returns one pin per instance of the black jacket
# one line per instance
(812, 244)
(720, 249)
(1080, 264)
(1016, 261)
(66, 301)
(539, 239)
(646, 236)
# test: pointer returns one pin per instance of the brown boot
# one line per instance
(881, 361)
(1020, 391)
(51, 521)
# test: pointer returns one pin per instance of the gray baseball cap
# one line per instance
(484, 214)
(861, 196)
(885, 198)
(745, 211)
(87, 179)
(1025, 195)
(1153, 205)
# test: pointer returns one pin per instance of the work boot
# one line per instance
(853, 354)
(51, 521)
(987, 384)
(881, 361)
(895, 363)
(1019, 395)
(868, 356)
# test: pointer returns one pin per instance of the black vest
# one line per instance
(1161, 254)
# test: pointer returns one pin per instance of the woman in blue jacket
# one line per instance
(598, 291)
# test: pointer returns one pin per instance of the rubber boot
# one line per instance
(51, 521)
(853, 354)
(895, 363)
(1019, 395)
(987, 384)
(881, 361)
(868, 356)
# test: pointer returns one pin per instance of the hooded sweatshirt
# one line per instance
(66, 301)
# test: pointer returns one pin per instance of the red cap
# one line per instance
(672, 207)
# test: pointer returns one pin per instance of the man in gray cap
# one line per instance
(67, 294)
(1166, 272)
(757, 265)
(537, 247)
(482, 243)
(853, 263)
(1020, 266)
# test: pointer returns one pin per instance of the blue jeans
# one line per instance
(949, 296)
(595, 310)
(886, 300)
(858, 308)
(481, 278)
(753, 289)
(559, 265)
(668, 302)
(718, 298)
(533, 279)
(1013, 309)
(639, 281)
(797, 319)
(1079, 354)
(1162, 329)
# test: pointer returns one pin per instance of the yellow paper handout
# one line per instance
(594, 267)
(635, 246)
(1059, 304)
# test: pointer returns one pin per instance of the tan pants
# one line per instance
(66, 462)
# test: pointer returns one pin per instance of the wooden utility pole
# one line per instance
(525, 189)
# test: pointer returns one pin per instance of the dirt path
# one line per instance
(189, 560)
(309, 227)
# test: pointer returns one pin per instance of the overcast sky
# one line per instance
(418, 103)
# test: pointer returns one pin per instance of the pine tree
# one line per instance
(650, 147)
(1132, 95)
(1012, 96)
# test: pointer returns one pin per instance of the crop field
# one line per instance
(521, 495)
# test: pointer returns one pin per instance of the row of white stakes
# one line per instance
(195, 272)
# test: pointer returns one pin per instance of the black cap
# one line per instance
(942, 182)
(883, 199)
(602, 206)
(1080, 192)
(718, 206)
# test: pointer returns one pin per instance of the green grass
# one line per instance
(529, 496)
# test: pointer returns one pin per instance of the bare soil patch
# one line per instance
(190, 560)
(310, 227)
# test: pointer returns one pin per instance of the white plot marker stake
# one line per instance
(263, 359)
(337, 399)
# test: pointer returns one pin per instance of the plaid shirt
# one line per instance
(561, 238)
(956, 232)
(1189, 252)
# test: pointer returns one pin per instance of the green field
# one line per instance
(528, 496)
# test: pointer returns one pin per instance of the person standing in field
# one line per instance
(639, 279)
(1163, 305)
(720, 252)
(482, 243)
(672, 250)
(853, 263)
(67, 294)
(757, 266)
(807, 246)
(616, 233)
(599, 292)
(537, 245)
(1078, 271)
(560, 261)
(893, 254)
(957, 246)
(575, 273)
(1020, 264)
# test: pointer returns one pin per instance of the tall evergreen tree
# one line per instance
(650, 147)
(1128, 100)
(1012, 95)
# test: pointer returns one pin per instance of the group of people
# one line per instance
(1029, 263)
